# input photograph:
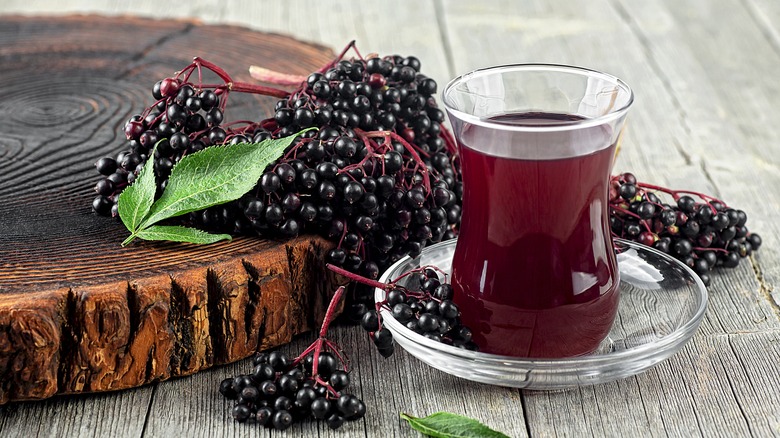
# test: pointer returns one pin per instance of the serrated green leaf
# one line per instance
(176, 233)
(214, 176)
(448, 425)
(136, 200)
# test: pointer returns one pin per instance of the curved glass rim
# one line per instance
(558, 68)
(634, 353)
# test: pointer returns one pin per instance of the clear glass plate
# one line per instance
(662, 302)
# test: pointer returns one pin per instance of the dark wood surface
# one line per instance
(79, 313)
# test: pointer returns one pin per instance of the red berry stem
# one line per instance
(676, 193)
(449, 140)
(340, 56)
(412, 151)
(322, 342)
(219, 71)
(632, 214)
(274, 77)
(243, 87)
(331, 310)
(359, 278)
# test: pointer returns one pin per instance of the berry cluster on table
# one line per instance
(697, 229)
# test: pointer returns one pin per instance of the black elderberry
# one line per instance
(339, 380)
(274, 214)
(755, 241)
(268, 388)
(691, 228)
(241, 413)
(334, 421)
(286, 173)
(250, 394)
(383, 338)
(683, 247)
(106, 166)
(448, 309)
(102, 205)
(686, 204)
(428, 322)
(320, 408)
(443, 292)
(241, 382)
(104, 187)
(227, 390)
(279, 361)
(262, 372)
(282, 420)
(308, 179)
(402, 312)
(270, 182)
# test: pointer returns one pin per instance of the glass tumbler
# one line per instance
(534, 270)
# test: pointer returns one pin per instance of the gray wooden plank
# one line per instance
(724, 75)
(112, 414)
(388, 387)
(731, 371)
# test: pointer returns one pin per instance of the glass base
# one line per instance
(662, 302)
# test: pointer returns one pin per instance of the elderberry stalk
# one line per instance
(697, 229)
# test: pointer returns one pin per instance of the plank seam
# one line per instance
(654, 65)
(152, 46)
(524, 406)
(731, 386)
(149, 410)
(438, 8)
(644, 42)
(764, 25)
(764, 289)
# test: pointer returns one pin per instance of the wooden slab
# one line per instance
(78, 313)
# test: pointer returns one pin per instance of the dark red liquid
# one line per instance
(534, 272)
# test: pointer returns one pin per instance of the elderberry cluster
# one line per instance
(422, 302)
(185, 117)
(278, 392)
(379, 176)
(702, 234)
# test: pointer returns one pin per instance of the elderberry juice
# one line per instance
(534, 271)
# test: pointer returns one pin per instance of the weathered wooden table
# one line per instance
(705, 76)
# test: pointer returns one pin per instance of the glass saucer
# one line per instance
(662, 302)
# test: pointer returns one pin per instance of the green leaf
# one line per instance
(177, 233)
(447, 425)
(136, 200)
(214, 176)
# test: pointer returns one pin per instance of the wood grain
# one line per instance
(79, 313)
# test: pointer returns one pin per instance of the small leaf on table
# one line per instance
(448, 425)
(176, 233)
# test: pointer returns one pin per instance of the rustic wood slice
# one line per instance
(78, 313)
